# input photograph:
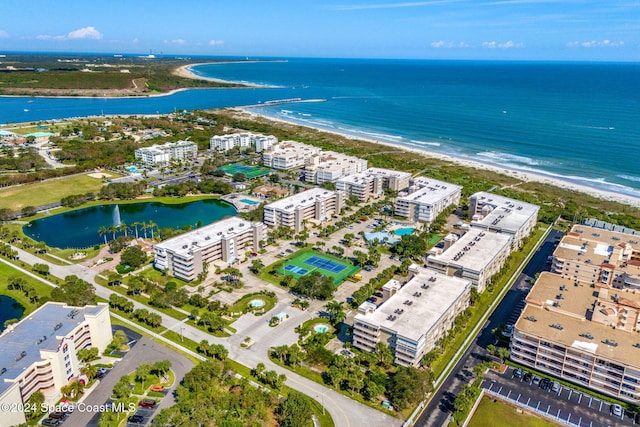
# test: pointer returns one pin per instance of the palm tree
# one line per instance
(144, 226)
(336, 312)
(135, 227)
(103, 232)
(152, 225)
(123, 227)
(112, 229)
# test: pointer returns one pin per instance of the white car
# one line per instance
(616, 410)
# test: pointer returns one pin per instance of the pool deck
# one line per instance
(236, 200)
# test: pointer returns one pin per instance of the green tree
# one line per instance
(133, 256)
(295, 411)
(409, 385)
(74, 291)
(35, 400)
(336, 312)
(41, 268)
(239, 177)
(121, 389)
(314, 285)
(143, 371)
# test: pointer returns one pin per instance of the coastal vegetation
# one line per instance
(95, 75)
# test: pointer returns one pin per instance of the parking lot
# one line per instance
(566, 404)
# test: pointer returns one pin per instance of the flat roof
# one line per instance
(206, 236)
(372, 173)
(287, 148)
(38, 331)
(304, 199)
(474, 250)
(568, 323)
(430, 191)
(507, 214)
(418, 318)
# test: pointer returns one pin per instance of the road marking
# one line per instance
(518, 399)
(590, 400)
(569, 418)
(569, 398)
(538, 405)
(491, 385)
(580, 398)
(548, 408)
(509, 394)
(600, 409)
(528, 400)
(558, 414)
(500, 391)
(580, 421)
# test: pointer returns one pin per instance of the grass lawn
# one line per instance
(7, 272)
(49, 191)
(500, 414)
(243, 304)
(306, 261)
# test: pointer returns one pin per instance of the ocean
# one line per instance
(575, 121)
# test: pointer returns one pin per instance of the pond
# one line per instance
(80, 228)
(9, 309)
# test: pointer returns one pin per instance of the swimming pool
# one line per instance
(403, 231)
(249, 202)
(132, 169)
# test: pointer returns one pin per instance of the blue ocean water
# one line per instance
(575, 121)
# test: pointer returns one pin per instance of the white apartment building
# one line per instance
(242, 140)
(597, 256)
(583, 334)
(316, 204)
(39, 353)
(158, 154)
(289, 155)
(503, 215)
(184, 255)
(372, 183)
(412, 318)
(427, 198)
(329, 167)
(476, 256)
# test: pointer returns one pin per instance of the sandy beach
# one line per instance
(519, 175)
(186, 72)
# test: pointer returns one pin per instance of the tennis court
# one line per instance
(307, 262)
(250, 171)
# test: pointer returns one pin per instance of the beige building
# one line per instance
(242, 140)
(593, 255)
(426, 199)
(184, 256)
(315, 204)
(581, 332)
(372, 183)
(165, 153)
(476, 256)
(412, 318)
(289, 155)
(500, 214)
(40, 352)
(328, 166)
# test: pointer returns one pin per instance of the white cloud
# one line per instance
(80, 33)
(175, 41)
(215, 42)
(506, 45)
(595, 43)
(3, 34)
(392, 5)
(441, 44)
(85, 33)
(135, 41)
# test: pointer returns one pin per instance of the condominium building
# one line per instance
(372, 183)
(427, 198)
(39, 353)
(328, 166)
(157, 154)
(476, 256)
(289, 155)
(316, 204)
(503, 215)
(593, 255)
(242, 140)
(184, 256)
(412, 318)
(586, 334)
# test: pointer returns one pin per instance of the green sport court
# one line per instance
(307, 262)
(250, 171)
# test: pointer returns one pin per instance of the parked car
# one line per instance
(545, 383)
(51, 422)
(536, 380)
(555, 387)
(526, 377)
(616, 410)
(378, 294)
(157, 388)
(139, 419)
(147, 403)
(58, 415)
(517, 373)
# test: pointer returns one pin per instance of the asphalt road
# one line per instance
(440, 408)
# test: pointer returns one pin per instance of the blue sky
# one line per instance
(441, 29)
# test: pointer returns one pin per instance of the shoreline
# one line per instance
(523, 176)
(185, 71)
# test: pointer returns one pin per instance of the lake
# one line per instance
(80, 228)
(9, 309)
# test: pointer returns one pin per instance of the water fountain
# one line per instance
(116, 217)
